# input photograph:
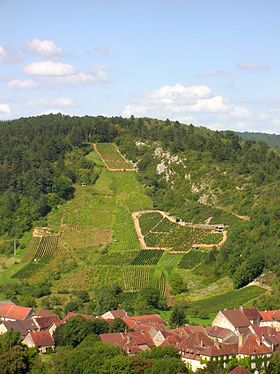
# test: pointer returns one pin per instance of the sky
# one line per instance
(213, 63)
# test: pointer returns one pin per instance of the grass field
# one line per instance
(112, 157)
(192, 259)
(160, 232)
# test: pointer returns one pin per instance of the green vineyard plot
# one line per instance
(164, 233)
(147, 257)
(192, 259)
(112, 158)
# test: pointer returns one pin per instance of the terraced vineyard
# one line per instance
(163, 233)
(147, 257)
(38, 256)
(112, 157)
(192, 259)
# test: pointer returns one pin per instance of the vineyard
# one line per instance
(37, 256)
(192, 259)
(118, 258)
(163, 233)
(147, 257)
(112, 157)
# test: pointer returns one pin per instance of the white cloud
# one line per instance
(49, 69)
(3, 53)
(240, 112)
(21, 84)
(253, 66)
(5, 110)
(102, 50)
(178, 99)
(46, 48)
(64, 102)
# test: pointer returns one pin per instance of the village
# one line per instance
(235, 334)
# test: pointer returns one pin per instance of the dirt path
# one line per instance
(137, 215)
(244, 218)
(107, 166)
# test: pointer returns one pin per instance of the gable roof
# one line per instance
(251, 313)
(70, 315)
(267, 315)
(131, 342)
(218, 332)
(16, 312)
(42, 338)
(252, 346)
(276, 315)
(239, 370)
(118, 313)
(236, 317)
(144, 322)
(23, 327)
(44, 313)
(45, 322)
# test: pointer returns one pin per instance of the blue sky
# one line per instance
(214, 63)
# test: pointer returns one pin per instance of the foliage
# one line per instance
(178, 316)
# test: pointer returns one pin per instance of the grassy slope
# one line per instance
(108, 206)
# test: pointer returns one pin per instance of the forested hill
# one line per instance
(191, 172)
(272, 140)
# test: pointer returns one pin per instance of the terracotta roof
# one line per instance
(144, 322)
(45, 322)
(70, 315)
(131, 342)
(267, 315)
(23, 327)
(239, 370)
(44, 313)
(16, 312)
(236, 317)
(251, 313)
(42, 338)
(218, 332)
(276, 315)
(119, 313)
(252, 346)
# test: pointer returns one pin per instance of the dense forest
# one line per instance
(193, 173)
(272, 140)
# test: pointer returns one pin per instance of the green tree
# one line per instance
(178, 316)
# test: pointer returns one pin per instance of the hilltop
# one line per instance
(86, 196)
(272, 140)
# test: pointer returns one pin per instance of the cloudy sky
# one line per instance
(214, 63)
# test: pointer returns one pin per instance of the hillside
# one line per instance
(88, 197)
(272, 140)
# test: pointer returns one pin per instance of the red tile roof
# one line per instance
(44, 313)
(131, 342)
(70, 315)
(23, 327)
(42, 339)
(276, 315)
(251, 313)
(236, 317)
(45, 322)
(218, 332)
(267, 315)
(119, 313)
(16, 312)
(252, 346)
(239, 370)
(145, 322)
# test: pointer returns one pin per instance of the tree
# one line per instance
(274, 364)
(118, 325)
(167, 366)
(177, 316)
(105, 299)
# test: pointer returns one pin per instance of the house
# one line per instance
(144, 323)
(253, 315)
(11, 312)
(42, 340)
(221, 334)
(255, 349)
(270, 318)
(23, 327)
(113, 314)
(44, 313)
(130, 342)
(234, 320)
(47, 323)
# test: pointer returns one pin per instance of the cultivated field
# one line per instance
(159, 231)
(112, 158)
